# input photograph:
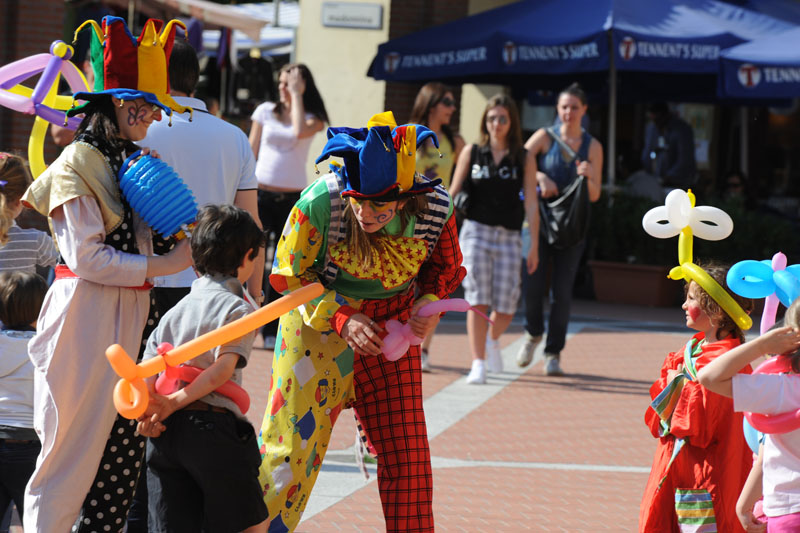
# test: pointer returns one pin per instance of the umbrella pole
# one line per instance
(612, 116)
(744, 134)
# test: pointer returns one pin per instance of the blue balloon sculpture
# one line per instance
(156, 192)
(770, 279)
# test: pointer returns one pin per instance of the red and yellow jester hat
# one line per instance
(128, 69)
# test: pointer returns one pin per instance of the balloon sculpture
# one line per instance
(43, 100)
(772, 280)
(156, 192)
(680, 216)
(131, 396)
(400, 336)
(784, 422)
(169, 381)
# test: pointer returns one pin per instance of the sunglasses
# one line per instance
(500, 119)
(447, 102)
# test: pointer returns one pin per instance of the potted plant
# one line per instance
(627, 264)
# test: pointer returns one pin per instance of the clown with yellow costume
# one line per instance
(383, 241)
(90, 459)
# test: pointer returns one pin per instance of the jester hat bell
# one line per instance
(379, 160)
(127, 68)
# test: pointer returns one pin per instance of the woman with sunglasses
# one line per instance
(495, 172)
(555, 170)
(434, 107)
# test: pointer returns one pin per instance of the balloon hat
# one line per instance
(127, 68)
(379, 160)
(679, 216)
(43, 100)
(770, 279)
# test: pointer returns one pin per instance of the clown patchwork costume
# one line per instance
(86, 472)
(315, 374)
(702, 460)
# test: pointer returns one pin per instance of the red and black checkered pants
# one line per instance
(389, 407)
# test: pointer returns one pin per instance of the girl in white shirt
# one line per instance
(281, 136)
(776, 473)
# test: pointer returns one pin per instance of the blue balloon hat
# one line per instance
(156, 192)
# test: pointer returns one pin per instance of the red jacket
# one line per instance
(715, 457)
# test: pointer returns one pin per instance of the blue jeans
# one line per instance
(565, 267)
(17, 462)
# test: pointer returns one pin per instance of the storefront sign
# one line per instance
(352, 15)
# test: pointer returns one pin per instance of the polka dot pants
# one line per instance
(106, 506)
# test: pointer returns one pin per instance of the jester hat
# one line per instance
(379, 160)
(128, 69)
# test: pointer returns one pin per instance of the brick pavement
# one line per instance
(542, 454)
(538, 453)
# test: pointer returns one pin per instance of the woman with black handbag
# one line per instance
(495, 172)
(568, 163)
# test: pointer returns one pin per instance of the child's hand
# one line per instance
(673, 372)
(749, 521)
(150, 426)
(159, 408)
(780, 341)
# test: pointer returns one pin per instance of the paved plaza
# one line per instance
(524, 452)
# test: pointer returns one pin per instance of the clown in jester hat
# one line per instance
(383, 241)
(86, 472)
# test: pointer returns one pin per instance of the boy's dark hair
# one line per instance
(21, 298)
(184, 68)
(726, 325)
(222, 237)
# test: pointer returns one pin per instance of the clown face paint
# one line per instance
(373, 216)
(135, 117)
(696, 317)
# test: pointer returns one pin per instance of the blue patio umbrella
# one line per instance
(531, 39)
(763, 68)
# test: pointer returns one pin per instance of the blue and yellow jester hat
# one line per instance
(379, 160)
(127, 68)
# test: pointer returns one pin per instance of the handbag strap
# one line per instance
(564, 146)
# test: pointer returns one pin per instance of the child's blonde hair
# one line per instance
(15, 178)
(792, 319)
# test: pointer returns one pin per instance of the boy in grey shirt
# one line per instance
(203, 459)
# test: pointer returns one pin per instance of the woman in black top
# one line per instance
(495, 172)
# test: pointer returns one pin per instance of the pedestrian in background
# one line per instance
(280, 136)
(434, 107)
(495, 171)
(555, 171)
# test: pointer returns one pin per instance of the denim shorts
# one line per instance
(202, 474)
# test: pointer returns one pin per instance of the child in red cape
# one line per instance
(702, 459)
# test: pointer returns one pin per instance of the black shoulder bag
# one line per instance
(564, 220)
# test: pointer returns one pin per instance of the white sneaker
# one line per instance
(477, 375)
(494, 357)
(552, 366)
(525, 354)
(424, 363)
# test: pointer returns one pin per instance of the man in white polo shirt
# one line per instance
(213, 158)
